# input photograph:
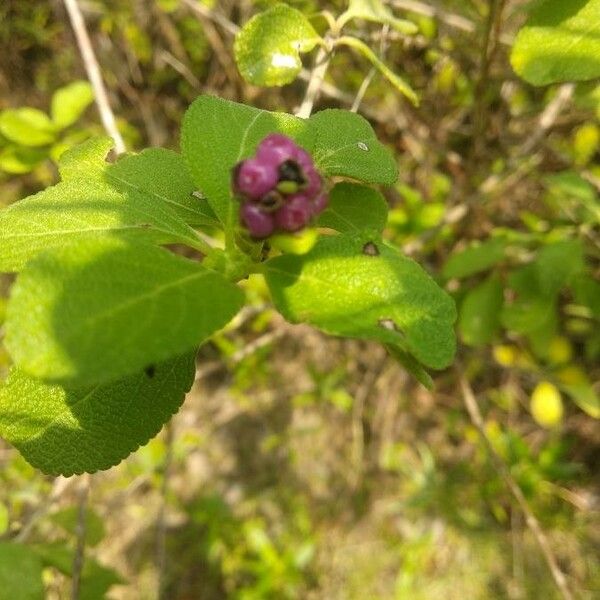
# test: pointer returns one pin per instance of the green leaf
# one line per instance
(100, 309)
(70, 102)
(267, 49)
(560, 42)
(400, 84)
(377, 12)
(557, 264)
(27, 127)
(411, 365)
(20, 573)
(585, 397)
(96, 579)
(356, 286)
(344, 144)
(587, 292)
(69, 430)
(474, 259)
(18, 160)
(354, 208)
(217, 134)
(171, 183)
(479, 317)
(91, 202)
(94, 526)
(532, 308)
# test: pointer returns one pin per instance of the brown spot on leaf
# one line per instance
(370, 249)
(150, 371)
(388, 324)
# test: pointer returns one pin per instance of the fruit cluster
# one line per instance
(280, 188)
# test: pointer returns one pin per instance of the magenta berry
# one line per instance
(294, 214)
(319, 204)
(260, 224)
(277, 148)
(255, 178)
(279, 187)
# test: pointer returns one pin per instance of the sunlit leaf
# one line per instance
(68, 430)
(354, 286)
(70, 102)
(267, 49)
(100, 309)
(560, 42)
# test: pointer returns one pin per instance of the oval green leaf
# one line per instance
(560, 42)
(98, 310)
(267, 49)
(72, 430)
(356, 286)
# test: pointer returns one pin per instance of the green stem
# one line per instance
(394, 79)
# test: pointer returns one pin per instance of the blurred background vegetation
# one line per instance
(303, 466)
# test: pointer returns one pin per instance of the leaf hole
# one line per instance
(370, 249)
(150, 371)
(388, 324)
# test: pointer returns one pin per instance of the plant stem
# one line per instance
(530, 519)
(315, 82)
(94, 75)
(80, 531)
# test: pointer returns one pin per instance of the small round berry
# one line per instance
(254, 178)
(276, 148)
(319, 204)
(259, 224)
(314, 182)
(304, 159)
(294, 214)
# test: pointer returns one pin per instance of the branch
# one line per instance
(93, 72)
(499, 464)
(80, 531)
(315, 83)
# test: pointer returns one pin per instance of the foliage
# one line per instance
(305, 461)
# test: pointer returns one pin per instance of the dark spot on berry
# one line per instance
(150, 371)
(370, 249)
(271, 202)
(388, 324)
(290, 171)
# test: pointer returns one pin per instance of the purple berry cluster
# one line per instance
(279, 187)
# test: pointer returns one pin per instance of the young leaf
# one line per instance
(20, 573)
(69, 430)
(559, 42)
(170, 183)
(89, 204)
(27, 127)
(479, 317)
(216, 134)
(344, 144)
(354, 208)
(18, 160)
(377, 12)
(94, 526)
(70, 102)
(557, 264)
(359, 287)
(402, 86)
(96, 579)
(474, 258)
(585, 397)
(98, 310)
(267, 49)
(587, 292)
